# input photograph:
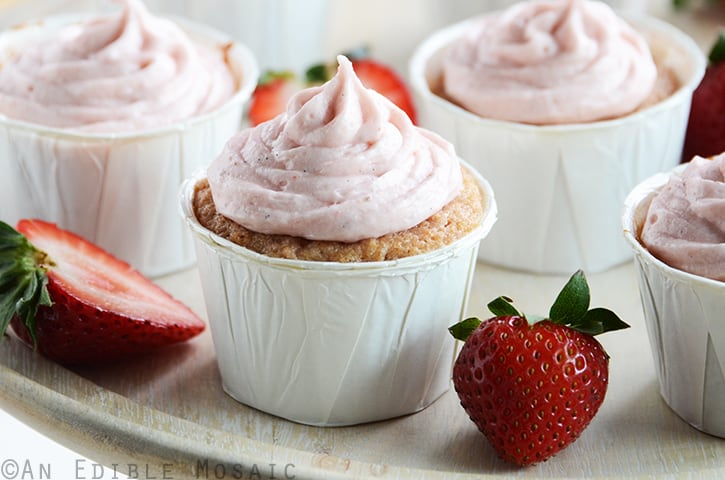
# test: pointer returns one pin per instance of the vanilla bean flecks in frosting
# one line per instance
(342, 164)
(124, 71)
(549, 62)
(685, 224)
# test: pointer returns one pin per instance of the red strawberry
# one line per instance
(706, 126)
(271, 96)
(76, 303)
(532, 389)
(385, 81)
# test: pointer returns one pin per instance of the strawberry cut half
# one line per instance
(76, 303)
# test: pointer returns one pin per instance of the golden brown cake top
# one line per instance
(454, 221)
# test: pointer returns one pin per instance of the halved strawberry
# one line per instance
(77, 303)
(271, 95)
(385, 81)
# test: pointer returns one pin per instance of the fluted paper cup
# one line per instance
(560, 188)
(117, 190)
(325, 343)
(684, 317)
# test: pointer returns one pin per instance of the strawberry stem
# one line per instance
(23, 279)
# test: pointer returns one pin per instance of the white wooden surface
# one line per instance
(167, 413)
(169, 409)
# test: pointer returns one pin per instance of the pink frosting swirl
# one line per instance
(685, 225)
(124, 71)
(342, 163)
(550, 62)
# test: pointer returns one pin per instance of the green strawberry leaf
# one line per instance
(572, 302)
(599, 320)
(463, 329)
(317, 74)
(23, 279)
(571, 309)
(681, 4)
(717, 54)
(502, 307)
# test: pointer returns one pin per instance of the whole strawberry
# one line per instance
(706, 126)
(77, 303)
(531, 389)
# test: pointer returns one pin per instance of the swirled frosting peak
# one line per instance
(685, 224)
(342, 163)
(123, 71)
(549, 62)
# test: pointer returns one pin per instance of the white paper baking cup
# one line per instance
(684, 318)
(326, 343)
(560, 188)
(117, 190)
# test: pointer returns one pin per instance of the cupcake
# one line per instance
(675, 225)
(564, 107)
(103, 116)
(323, 239)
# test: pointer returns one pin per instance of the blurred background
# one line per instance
(293, 34)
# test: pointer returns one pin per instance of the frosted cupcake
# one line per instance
(556, 101)
(102, 118)
(675, 224)
(323, 239)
